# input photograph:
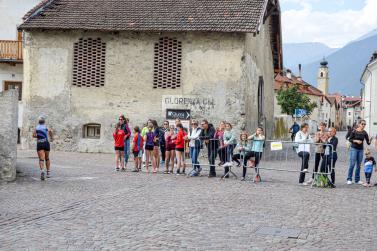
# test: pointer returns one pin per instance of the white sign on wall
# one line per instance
(203, 105)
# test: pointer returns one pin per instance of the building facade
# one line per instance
(352, 107)
(83, 73)
(369, 78)
(11, 59)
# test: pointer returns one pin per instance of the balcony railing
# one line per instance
(10, 50)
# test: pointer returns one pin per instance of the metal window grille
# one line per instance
(89, 62)
(167, 63)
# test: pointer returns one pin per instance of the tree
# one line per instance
(290, 99)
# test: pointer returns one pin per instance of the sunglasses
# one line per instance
(121, 119)
(363, 124)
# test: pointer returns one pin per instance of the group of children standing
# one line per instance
(172, 142)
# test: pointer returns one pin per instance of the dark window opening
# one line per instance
(92, 131)
(260, 101)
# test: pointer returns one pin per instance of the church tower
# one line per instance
(323, 77)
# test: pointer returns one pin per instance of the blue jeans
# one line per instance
(126, 150)
(356, 157)
(194, 154)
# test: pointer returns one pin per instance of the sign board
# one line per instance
(276, 146)
(299, 113)
(172, 114)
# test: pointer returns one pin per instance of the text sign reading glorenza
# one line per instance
(178, 114)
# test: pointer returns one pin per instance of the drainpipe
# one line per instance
(370, 97)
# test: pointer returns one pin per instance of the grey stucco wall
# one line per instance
(258, 63)
(213, 84)
(8, 134)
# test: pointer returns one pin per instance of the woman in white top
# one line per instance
(194, 144)
(303, 150)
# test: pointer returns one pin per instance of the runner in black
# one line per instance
(42, 134)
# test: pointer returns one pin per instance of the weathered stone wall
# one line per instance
(258, 63)
(8, 134)
(212, 75)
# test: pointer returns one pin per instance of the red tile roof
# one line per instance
(147, 15)
(281, 81)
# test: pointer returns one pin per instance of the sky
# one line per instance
(12, 12)
(332, 22)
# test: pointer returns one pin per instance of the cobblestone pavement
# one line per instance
(86, 205)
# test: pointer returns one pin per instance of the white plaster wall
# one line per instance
(211, 69)
(370, 98)
(12, 72)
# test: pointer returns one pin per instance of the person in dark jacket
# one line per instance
(163, 130)
(356, 139)
(330, 157)
(207, 136)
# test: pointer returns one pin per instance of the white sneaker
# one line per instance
(349, 182)
(304, 184)
(305, 171)
(360, 182)
(227, 164)
(310, 181)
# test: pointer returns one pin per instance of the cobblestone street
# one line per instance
(86, 205)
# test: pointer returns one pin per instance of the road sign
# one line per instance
(178, 114)
(299, 113)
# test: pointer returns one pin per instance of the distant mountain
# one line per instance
(345, 65)
(369, 34)
(304, 53)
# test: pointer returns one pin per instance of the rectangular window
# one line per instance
(8, 85)
(92, 131)
(89, 59)
(167, 63)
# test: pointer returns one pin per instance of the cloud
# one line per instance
(337, 28)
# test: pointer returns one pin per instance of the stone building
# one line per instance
(85, 62)
(8, 134)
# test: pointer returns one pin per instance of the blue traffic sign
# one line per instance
(300, 113)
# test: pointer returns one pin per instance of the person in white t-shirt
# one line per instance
(303, 150)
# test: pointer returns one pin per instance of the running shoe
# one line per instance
(42, 175)
(47, 174)
(123, 169)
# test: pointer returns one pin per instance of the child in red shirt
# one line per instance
(137, 148)
(119, 136)
(180, 148)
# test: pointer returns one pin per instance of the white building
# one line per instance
(11, 59)
(369, 78)
(352, 110)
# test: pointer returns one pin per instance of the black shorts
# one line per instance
(45, 146)
(138, 154)
(149, 148)
(180, 149)
(118, 148)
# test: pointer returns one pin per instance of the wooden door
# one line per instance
(8, 85)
